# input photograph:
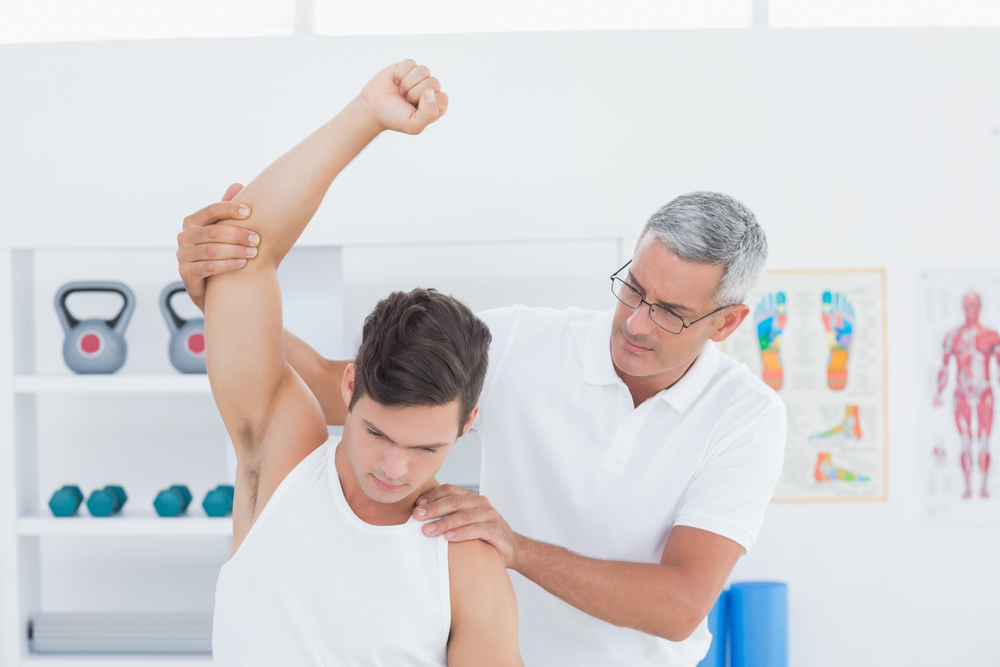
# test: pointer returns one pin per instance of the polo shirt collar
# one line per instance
(597, 365)
(599, 369)
(686, 390)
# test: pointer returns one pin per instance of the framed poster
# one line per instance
(818, 338)
(959, 364)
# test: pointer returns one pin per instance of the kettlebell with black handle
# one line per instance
(94, 345)
(187, 337)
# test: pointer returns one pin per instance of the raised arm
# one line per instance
(272, 417)
(321, 375)
(943, 373)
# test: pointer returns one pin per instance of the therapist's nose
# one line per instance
(639, 323)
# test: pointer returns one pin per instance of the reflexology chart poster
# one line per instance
(818, 339)
(959, 364)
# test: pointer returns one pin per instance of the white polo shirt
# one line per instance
(568, 460)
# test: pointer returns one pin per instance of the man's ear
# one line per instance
(347, 385)
(731, 319)
(471, 420)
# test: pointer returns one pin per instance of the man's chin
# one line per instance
(385, 496)
(633, 364)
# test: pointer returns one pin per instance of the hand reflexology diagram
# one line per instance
(818, 339)
(960, 347)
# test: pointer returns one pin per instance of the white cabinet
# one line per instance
(145, 427)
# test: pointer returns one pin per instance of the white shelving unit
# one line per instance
(115, 661)
(129, 522)
(111, 384)
(108, 413)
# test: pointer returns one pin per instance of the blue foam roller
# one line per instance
(758, 621)
(718, 625)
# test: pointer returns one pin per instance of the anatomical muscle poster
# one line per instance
(959, 364)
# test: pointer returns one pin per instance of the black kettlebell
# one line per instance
(187, 337)
(94, 346)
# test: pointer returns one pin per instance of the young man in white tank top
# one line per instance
(328, 566)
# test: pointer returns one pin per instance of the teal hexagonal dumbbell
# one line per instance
(172, 501)
(219, 501)
(66, 501)
(106, 501)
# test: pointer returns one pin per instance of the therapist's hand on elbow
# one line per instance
(210, 244)
(467, 516)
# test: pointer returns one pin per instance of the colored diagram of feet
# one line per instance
(827, 472)
(838, 320)
(769, 316)
(850, 427)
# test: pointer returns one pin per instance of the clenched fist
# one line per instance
(405, 98)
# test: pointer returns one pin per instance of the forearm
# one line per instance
(942, 381)
(243, 308)
(285, 196)
(321, 375)
(648, 597)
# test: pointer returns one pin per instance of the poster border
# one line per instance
(885, 391)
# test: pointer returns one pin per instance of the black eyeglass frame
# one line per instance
(684, 325)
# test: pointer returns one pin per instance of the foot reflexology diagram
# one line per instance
(960, 348)
(818, 339)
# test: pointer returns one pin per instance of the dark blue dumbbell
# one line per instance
(219, 501)
(106, 501)
(66, 501)
(172, 501)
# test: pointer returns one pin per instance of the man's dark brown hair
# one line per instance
(422, 348)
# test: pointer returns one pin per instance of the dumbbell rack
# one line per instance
(25, 520)
(33, 379)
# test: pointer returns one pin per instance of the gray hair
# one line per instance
(713, 228)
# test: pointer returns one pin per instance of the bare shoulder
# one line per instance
(474, 558)
(483, 608)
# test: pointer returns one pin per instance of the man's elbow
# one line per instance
(678, 625)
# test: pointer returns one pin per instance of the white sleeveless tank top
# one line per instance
(312, 584)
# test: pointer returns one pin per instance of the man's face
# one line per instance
(638, 346)
(393, 452)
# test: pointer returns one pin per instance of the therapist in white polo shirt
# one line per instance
(627, 463)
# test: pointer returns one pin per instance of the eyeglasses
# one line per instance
(662, 317)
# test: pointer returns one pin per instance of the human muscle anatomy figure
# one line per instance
(972, 345)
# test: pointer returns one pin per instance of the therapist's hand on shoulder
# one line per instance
(403, 97)
(467, 516)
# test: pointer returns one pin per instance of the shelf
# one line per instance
(116, 661)
(177, 383)
(134, 523)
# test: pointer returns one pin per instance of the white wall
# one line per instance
(856, 148)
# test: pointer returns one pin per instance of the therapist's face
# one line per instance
(639, 347)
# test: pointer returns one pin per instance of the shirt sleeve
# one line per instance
(730, 493)
(501, 324)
